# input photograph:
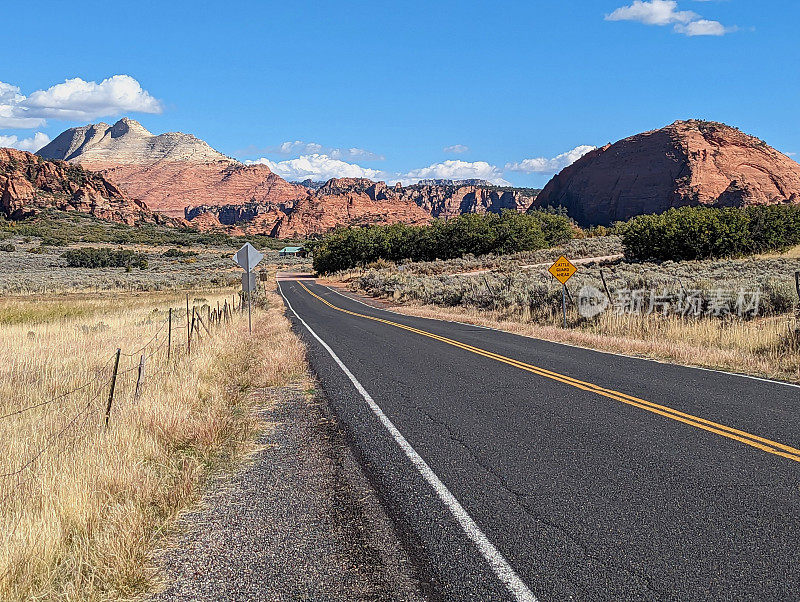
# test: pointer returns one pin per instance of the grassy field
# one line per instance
(82, 506)
(517, 293)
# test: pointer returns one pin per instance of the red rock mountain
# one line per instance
(686, 163)
(168, 172)
(30, 184)
(178, 174)
(359, 201)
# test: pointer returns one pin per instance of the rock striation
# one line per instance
(359, 201)
(30, 184)
(686, 163)
(168, 172)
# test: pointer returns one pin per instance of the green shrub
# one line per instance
(90, 257)
(469, 234)
(178, 253)
(690, 233)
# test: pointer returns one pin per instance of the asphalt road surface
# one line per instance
(519, 469)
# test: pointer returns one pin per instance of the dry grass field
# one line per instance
(516, 296)
(81, 505)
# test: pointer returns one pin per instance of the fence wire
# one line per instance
(123, 378)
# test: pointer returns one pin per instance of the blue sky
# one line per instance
(511, 91)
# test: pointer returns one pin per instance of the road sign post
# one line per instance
(562, 270)
(248, 258)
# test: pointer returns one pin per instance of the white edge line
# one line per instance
(505, 573)
(527, 336)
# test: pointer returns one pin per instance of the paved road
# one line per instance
(520, 469)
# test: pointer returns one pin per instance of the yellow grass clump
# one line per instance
(81, 506)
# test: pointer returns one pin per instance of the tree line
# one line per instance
(476, 234)
(688, 233)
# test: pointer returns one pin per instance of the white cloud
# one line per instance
(32, 144)
(553, 165)
(317, 167)
(652, 12)
(704, 27)
(665, 12)
(299, 147)
(455, 170)
(75, 99)
(12, 115)
(456, 148)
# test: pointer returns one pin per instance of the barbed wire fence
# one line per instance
(68, 418)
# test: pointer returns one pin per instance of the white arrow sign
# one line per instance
(247, 257)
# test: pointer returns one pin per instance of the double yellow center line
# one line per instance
(772, 447)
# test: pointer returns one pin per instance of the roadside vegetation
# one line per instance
(472, 234)
(60, 252)
(82, 506)
(706, 233)
(515, 292)
(61, 229)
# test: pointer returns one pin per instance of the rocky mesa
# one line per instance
(30, 184)
(358, 202)
(168, 172)
(686, 163)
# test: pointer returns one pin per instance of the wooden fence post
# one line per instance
(486, 282)
(113, 386)
(605, 286)
(169, 336)
(138, 389)
(194, 321)
(188, 329)
(797, 283)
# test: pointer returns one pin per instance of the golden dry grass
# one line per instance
(758, 347)
(79, 522)
(793, 253)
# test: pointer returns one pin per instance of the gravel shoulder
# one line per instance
(298, 521)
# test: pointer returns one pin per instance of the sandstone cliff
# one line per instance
(180, 175)
(686, 163)
(30, 184)
(359, 201)
(168, 172)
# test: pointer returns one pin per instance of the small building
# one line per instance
(293, 252)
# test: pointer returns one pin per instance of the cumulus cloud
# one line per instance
(455, 170)
(32, 144)
(75, 99)
(544, 165)
(317, 167)
(653, 12)
(456, 149)
(665, 12)
(704, 27)
(12, 115)
(299, 147)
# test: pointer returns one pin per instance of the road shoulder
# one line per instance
(299, 520)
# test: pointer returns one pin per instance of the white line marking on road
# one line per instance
(505, 573)
(527, 336)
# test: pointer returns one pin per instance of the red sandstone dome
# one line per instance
(686, 163)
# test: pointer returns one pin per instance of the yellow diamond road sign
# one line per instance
(562, 270)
